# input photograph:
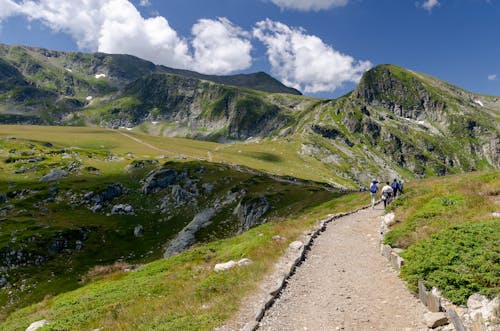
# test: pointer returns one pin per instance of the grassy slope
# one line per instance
(110, 237)
(451, 237)
(273, 157)
(181, 292)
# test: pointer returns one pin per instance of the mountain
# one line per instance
(44, 86)
(396, 122)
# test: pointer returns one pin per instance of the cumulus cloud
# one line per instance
(305, 61)
(144, 3)
(116, 26)
(430, 4)
(220, 45)
(307, 5)
(492, 77)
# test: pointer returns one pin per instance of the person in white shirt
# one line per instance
(386, 193)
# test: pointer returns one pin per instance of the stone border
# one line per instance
(299, 252)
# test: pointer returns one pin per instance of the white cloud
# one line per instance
(307, 5)
(8, 8)
(492, 77)
(116, 26)
(144, 3)
(220, 45)
(305, 61)
(430, 4)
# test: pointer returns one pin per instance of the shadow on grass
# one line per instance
(269, 157)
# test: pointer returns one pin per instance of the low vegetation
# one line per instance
(450, 235)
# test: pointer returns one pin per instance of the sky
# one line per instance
(321, 47)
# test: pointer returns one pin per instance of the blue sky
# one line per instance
(321, 47)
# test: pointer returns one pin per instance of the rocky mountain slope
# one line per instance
(395, 123)
(63, 211)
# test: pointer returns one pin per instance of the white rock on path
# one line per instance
(296, 245)
(389, 219)
(37, 325)
(224, 266)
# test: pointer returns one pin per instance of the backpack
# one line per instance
(394, 186)
(373, 188)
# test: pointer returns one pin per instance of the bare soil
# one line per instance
(346, 284)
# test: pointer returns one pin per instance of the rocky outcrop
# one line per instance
(249, 212)
(186, 236)
(161, 178)
(122, 209)
(54, 175)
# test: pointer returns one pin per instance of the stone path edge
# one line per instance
(301, 255)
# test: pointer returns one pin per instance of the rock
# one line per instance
(3, 197)
(433, 320)
(389, 219)
(109, 193)
(180, 195)
(244, 262)
(249, 212)
(37, 325)
(122, 209)
(54, 175)
(296, 245)
(138, 231)
(278, 238)
(224, 266)
(479, 304)
(496, 214)
(96, 208)
(3, 281)
(159, 179)
(186, 236)
(78, 245)
(208, 187)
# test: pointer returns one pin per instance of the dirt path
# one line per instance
(345, 284)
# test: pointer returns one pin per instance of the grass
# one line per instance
(182, 292)
(34, 223)
(449, 233)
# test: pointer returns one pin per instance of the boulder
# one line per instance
(496, 214)
(296, 245)
(37, 325)
(122, 209)
(180, 195)
(479, 304)
(225, 266)
(244, 262)
(389, 219)
(186, 237)
(159, 179)
(109, 193)
(433, 320)
(54, 175)
(138, 231)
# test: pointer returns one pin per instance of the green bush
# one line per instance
(460, 260)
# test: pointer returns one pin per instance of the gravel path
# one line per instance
(346, 284)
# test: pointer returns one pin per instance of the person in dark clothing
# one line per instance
(395, 188)
(400, 187)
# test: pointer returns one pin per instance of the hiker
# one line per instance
(400, 187)
(395, 186)
(386, 193)
(373, 191)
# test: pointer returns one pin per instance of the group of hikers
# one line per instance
(388, 193)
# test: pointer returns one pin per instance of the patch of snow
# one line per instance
(88, 98)
(99, 76)
(68, 69)
(479, 102)
(155, 122)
